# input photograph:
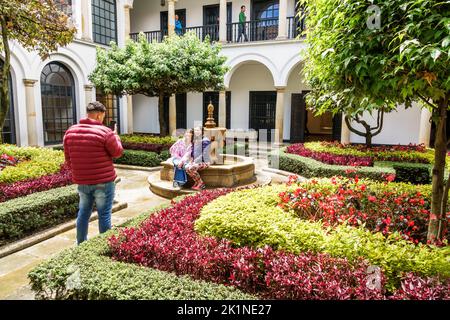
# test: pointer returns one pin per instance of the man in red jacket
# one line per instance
(89, 149)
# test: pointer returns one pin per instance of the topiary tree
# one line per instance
(379, 54)
(36, 25)
(177, 65)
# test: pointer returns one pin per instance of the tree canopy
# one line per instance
(177, 65)
(367, 55)
(37, 25)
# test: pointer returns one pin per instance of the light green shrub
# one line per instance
(36, 162)
(251, 217)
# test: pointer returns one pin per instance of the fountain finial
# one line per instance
(210, 123)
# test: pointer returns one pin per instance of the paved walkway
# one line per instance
(133, 189)
(14, 268)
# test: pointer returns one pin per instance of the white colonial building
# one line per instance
(263, 89)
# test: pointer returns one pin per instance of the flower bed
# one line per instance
(6, 160)
(26, 187)
(168, 241)
(105, 279)
(379, 207)
(33, 163)
(142, 158)
(310, 168)
(25, 215)
(146, 142)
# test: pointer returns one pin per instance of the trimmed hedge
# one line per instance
(252, 217)
(142, 158)
(22, 216)
(147, 139)
(310, 168)
(103, 278)
(35, 163)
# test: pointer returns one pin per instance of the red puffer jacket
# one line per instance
(89, 148)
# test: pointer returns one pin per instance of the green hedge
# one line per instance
(415, 173)
(36, 162)
(146, 138)
(310, 168)
(142, 158)
(22, 216)
(103, 278)
(252, 217)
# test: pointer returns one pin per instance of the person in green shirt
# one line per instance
(242, 25)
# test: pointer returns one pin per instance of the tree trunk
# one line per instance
(163, 131)
(368, 139)
(369, 132)
(4, 94)
(440, 152)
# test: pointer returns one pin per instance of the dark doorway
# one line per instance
(262, 111)
(213, 97)
(181, 101)
(164, 19)
(9, 128)
(299, 117)
(306, 127)
(211, 14)
(264, 16)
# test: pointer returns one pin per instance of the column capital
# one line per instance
(88, 87)
(280, 89)
(128, 4)
(29, 82)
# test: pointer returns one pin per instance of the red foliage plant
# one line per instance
(352, 202)
(167, 241)
(329, 158)
(26, 187)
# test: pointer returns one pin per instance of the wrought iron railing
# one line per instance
(151, 36)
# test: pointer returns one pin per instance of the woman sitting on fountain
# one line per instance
(180, 154)
(199, 157)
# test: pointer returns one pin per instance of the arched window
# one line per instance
(9, 132)
(112, 104)
(58, 101)
(270, 12)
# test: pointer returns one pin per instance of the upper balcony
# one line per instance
(266, 20)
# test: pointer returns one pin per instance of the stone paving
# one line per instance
(132, 189)
(14, 268)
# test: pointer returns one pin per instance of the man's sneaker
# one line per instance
(176, 185)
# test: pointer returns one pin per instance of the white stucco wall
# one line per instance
(400, 127)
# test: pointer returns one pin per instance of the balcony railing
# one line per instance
(255, 30)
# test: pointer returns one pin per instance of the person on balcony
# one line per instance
(242, 25)
(199, 157)
(178, 26)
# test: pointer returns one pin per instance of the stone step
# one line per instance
(166, 190)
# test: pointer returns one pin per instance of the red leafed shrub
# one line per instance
(353, 202)
(329, 158)
(383, 148)
(26, 187)
(146, 146)
(167, 241)
(415, 288)
(6, 160)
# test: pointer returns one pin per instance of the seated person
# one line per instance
(199, 157)
(179, 153)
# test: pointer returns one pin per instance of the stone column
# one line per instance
(345, 132)
(172, 114)
(171, 17)
(282, 20)
(88, 93)
(127, 27)
(425, 127)
(223, 21)
(86, 18)
(222, 109)
(31, 112)
(279, 117)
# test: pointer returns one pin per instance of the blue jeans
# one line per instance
(103, 196)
